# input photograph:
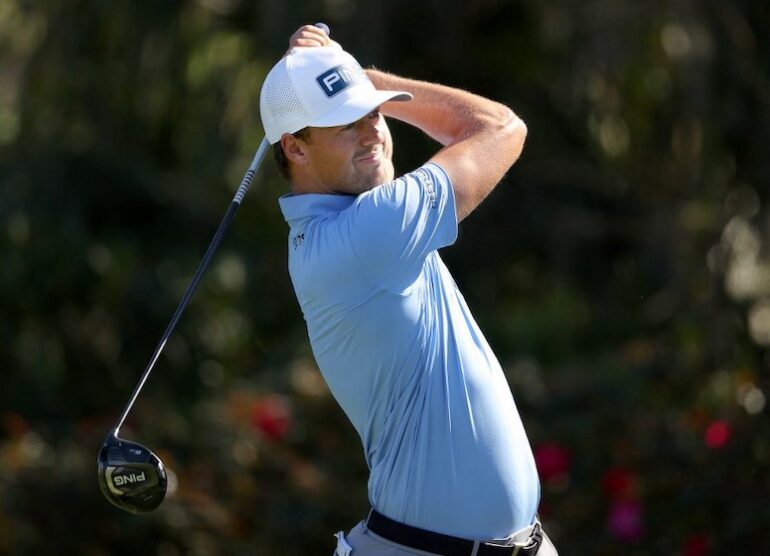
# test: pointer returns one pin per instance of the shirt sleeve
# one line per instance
(393, 227)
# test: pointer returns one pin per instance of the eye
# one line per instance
(348, 127)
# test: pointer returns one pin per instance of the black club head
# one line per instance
(131, 476)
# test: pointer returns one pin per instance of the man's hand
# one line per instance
(309, 36)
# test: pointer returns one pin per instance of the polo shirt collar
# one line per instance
(308, 205)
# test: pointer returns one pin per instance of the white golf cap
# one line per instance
(319, 87)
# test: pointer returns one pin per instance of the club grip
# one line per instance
(325, 28)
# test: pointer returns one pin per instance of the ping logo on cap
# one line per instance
(339, 78)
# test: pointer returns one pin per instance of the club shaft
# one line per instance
(215, 241)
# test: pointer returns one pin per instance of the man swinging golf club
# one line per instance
(451, 468)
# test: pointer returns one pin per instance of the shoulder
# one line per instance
(424, 187)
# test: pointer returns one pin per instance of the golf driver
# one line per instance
(131, 476)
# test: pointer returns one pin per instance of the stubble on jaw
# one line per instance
(368, 182)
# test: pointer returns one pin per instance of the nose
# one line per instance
(371, 131)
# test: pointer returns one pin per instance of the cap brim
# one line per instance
(359, 106)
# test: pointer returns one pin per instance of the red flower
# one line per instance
(619, 484)
(552, 460)
(717, 434)
(271, 415)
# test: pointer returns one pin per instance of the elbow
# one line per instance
(521, 128)
(509, 123)
(521, 133)
(515, 125)
(514, 131)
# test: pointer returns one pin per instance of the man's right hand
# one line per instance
(308, 36)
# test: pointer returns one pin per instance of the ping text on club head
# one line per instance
(130, 478)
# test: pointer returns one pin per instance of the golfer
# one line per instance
(451, 468)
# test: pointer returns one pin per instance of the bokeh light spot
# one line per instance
(717, 434)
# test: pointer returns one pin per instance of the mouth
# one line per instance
(370, 157)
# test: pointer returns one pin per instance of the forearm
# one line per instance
(446, 114)
(481, 138)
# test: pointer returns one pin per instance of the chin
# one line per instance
(380, 179)
(386, 173)
(367, 181)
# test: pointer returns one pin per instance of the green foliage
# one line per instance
(620, 270)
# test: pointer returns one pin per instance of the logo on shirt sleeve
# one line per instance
(429, 186)
(297, 240)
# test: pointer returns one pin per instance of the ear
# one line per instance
(295, 149)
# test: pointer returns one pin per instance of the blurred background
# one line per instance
(620, 271)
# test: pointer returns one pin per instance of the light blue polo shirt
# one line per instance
(403, 356)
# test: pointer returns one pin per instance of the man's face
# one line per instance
(351, 159)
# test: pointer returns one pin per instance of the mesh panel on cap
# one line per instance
(281, 100)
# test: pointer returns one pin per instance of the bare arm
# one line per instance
(482, 138)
